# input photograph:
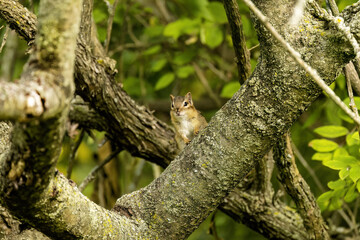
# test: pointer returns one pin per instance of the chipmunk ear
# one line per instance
(172, 97)
(189, 97)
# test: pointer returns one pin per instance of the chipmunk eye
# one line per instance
(172, 105)
(185, 104)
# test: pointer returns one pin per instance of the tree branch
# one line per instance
(238, 37)
(142, 134)
(299, 190)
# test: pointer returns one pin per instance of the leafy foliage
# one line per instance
(345, 159)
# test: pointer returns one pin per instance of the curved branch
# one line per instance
(141, 133)
(299, 190)
(238, 38)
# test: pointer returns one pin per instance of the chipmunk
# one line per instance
(186, 119)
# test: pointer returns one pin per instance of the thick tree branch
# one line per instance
(279, 222)
(299, 190)
(258, 114)
(238, 37)
(142, 134)
(267, 104)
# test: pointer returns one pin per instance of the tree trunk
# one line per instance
(201, 176)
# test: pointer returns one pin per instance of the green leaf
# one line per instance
(349, 160)
(335, 164)
(341, 162)
(344, 173)
(217, 12)
(185, 71)
(324, 200)
(339, 193)
(358, 186)
(230, 89)
(211, 35)
(351, 194)
(322, 156)
(164, 81)
(353, 139)
(340, 152)
(182, 26)
(338, 184)
(152, 50)
(323, 145)
(354, 173)
(158, 65)
(331, 131)
(335, 204)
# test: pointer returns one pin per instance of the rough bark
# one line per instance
(214, 163)
(142, 134)
(238, 37)
(299, 190)
(250, 123)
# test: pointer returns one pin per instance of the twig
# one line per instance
(212, 227)
(351, 96)
(4, 37)
(93, 172)
(73, 150)
(351, 74)
(216, 71)
(238, 38)
(331, 4)
(339, 23)
(111, 10)
(162, 8)
(307, 167)
(206, 85)
(297, 57)
(355, 214)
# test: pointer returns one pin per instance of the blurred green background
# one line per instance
(173, 47)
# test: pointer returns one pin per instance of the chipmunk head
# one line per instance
(180, 104)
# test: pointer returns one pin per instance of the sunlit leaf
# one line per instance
(340, 152)
(354, 173)
(343, 173)
(319, 156)
(331, 131)
(353, 139)
(323, 145)
(335, 164)
(351, 194)
(336, 184)
(324, 200)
